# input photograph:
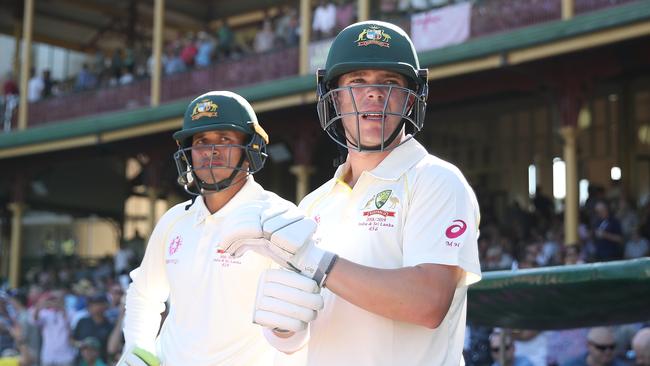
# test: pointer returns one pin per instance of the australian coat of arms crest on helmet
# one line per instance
(204, 108)
(373, 35)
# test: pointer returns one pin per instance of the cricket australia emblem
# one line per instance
(373, 35)
(379, 211)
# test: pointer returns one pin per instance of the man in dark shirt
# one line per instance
(95, 324)
(608, 235)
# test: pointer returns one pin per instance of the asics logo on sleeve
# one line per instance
(456, 230)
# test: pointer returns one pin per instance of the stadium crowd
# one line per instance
(611, 228)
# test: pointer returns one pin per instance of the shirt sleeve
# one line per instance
(146, 295)
(441, 225)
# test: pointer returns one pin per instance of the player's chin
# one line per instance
(213, 175)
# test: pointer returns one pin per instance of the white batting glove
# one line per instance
(137, 356)
(286, 301)
(282, 233)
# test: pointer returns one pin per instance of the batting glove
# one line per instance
(286, 301)
(137, 356)
(282, 233)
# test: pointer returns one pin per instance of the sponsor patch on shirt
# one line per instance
(174, 246)
(379, 211)
(453, 231)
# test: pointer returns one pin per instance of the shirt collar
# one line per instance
(400, 160)
(251, 190)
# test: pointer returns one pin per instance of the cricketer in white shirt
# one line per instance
(413, 208)
(210, 293)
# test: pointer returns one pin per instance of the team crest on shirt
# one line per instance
(379, 210)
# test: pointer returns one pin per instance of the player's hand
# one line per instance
(282, 233)
(137, 356)
(242, 231)
(286, 301)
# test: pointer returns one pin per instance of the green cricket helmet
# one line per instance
(218, 111)
(372, 45)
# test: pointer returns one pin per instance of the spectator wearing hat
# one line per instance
(89, 350)
(95, 324)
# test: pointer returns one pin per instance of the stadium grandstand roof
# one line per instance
(87, 24)
(598, 28)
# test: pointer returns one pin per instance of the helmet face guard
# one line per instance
(218, 111)
(371, 45)
(403, 106)
(199, 178)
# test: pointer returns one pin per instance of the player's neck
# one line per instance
(215, 201)
(365, 161)
(360, 162)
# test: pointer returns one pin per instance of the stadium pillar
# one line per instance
(26, 62)
(17, 209)
(363, 9)
(157, 43)
(567, 9)
(302, 173)
(571, 200)
(305, 35)
(16, 61)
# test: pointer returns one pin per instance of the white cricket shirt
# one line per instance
(211, 294)
(413, 208)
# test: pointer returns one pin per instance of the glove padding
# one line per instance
(137, 356)
(281, 233)
(286, 301)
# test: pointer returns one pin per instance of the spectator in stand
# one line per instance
(174, 63)
(34, 86)
(600, 350)
(10, 87)
(85, 79)
(265, 38)
(205, 50)
(7, 324)
(572, 255)
(26, 333)
(48, 84)
(116, 65)
(531, 344)
(543, 208)
(627, 216)
(324, 20)
(496, 259)
(126, 77)
(189, 51)
(96, 324)
(286, 28)
(115, 295)
(497, 340)
(225, 39)
(641, 347)
(49, 314)
(637, 246)
(565, 345)
(89, 349)
(608, 237)
(345, 14)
